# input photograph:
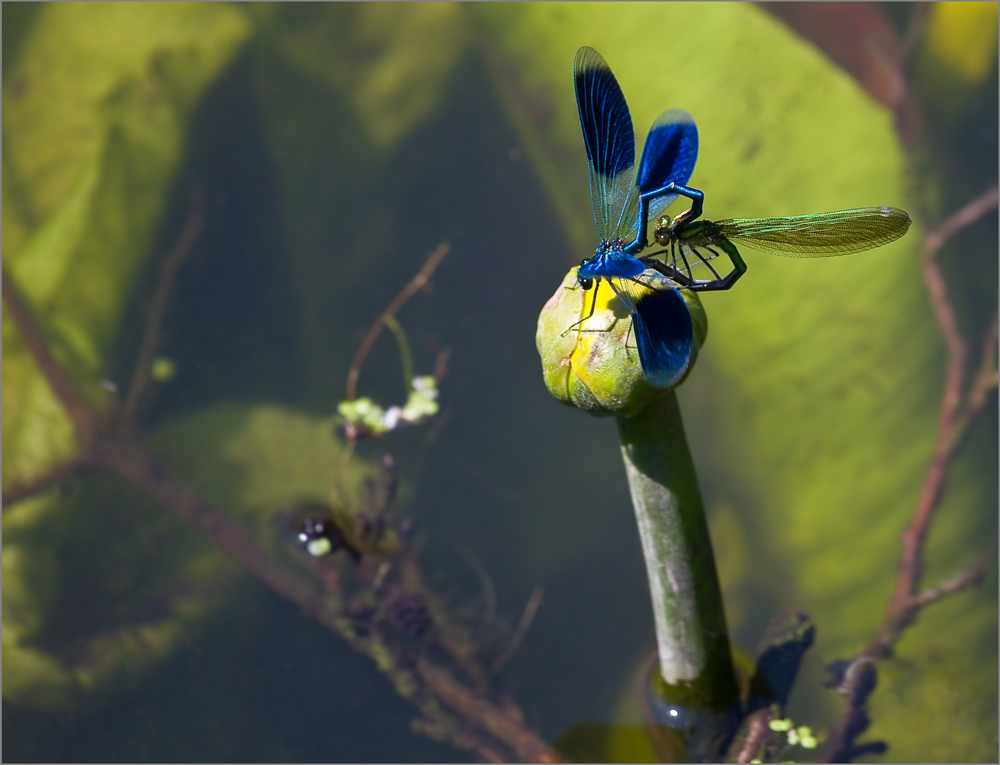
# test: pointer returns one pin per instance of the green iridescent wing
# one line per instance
(819, 235)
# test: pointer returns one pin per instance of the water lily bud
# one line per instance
(594, 364)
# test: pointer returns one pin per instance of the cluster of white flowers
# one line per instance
(364, 417)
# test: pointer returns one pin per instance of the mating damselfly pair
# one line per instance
(626, 201)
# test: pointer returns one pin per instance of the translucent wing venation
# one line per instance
(630, 291)
(610, 142)
(668, 156)
(821, 234)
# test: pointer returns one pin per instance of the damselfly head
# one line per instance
(666, 229)
(663, 231)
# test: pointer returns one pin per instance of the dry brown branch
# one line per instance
(527, 745)
(911, 565)
(858, 683)
(963, 580)
(476, 724)
(483, 747)
(759, 735)
(85, 422)
(54, 477)
(416, 283)
(969, 214)
(959, 408)
(983, 384)
(860, 39)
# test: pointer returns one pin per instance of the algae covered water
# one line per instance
(326, 151)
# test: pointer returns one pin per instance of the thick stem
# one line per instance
(691, 634)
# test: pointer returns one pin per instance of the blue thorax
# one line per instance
(610, 261)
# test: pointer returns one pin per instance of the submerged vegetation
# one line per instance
(205, 209)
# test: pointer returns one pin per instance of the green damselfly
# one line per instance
(692, 243)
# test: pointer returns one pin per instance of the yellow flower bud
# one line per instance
(594, 364)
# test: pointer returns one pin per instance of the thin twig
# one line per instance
(968, 215)
(758, 735)
(55, 476)
(956, 415)
(419, 681)
(85, 422)
(134, 465)
(857, 684)
(485, 583)
(454, 638)
(428, 687)
(911, 565)
(527, 616)
(963, 580)
(418, 281)
(984, 382)
(441, 365)
(487, 750)
(405, 359)
(526, 744)
(154, 323)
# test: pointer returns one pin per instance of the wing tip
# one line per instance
(664, 336)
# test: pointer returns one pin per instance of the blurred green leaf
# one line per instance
(249, 459)
(342, 86)
(391, 61)
(155, 580)
(811, 412)
(95, 106)
(94, 113)
(152, 581)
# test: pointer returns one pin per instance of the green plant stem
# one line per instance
(693, 643)
(404, 350)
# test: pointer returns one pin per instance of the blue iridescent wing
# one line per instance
(661, 323)
(668, 157)
(610, 142)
